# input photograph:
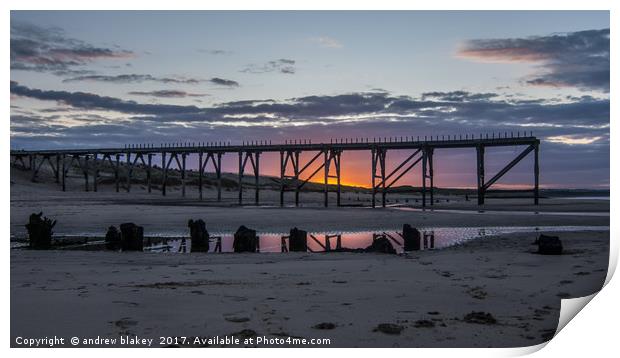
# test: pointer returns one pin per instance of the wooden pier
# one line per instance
(328, 155)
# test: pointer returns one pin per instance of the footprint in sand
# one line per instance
(126, 303)
(236, 319)
(124, 324)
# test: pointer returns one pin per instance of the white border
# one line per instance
(593, 331)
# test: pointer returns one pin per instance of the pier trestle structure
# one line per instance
(294, 174)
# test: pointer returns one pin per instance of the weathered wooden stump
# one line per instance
(199, 235)
(549, 245)
(298, 240)
(245, 240)
(381, 244)
(411, 238)
(112, 239)
(132, 237)
(40, 231)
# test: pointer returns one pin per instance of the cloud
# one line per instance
(216, 52)
(574, 59)
(282, 65)
(89, 101)
(133, 78)
(456, 109)
(139, 78)
(167, 94)
(573, 139)
(224, 82)
(458, 96)
(39, 49)
(325, 41)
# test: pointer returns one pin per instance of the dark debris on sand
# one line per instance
(389, 328)
(324, 325)
(480, 318)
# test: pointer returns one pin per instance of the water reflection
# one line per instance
(443, 237)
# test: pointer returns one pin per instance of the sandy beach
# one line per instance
(428, 294)
(434, 298)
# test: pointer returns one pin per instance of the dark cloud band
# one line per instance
(575, 59)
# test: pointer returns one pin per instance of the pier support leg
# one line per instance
(183, 159)
(536, 174)
(373, 153)
(95, 171)
(296, 169)
(240, 178)
(218, 173)
(256, 178)
(33, 166)
(148, 172)
(85, 170)
(326, 176)
(57, 177)
(282, 170)
(64, 174)
(200, 170)
(116, 172)
(164, 168)
(382, 154)
(338, 178)
(480, 173)
(129, 167)
(424, 165)
(430, 174)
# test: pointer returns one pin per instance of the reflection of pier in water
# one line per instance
(271, 242)
(326, 155)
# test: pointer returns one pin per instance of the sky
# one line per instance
(82, 79)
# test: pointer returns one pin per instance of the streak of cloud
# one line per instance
(327, 42)
(39, 49)
(574, 59)
(282, 65)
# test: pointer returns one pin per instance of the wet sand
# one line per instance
(89, 212)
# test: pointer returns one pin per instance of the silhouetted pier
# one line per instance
(328, 155)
